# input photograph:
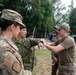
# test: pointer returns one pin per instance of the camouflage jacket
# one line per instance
(10, 59)
(25, 50)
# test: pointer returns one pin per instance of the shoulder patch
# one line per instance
(8, 61)
(16, 67)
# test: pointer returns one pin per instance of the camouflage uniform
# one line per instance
(26, 52)
(33, 57)
(10, 59)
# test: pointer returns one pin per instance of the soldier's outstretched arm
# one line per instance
(34, 41)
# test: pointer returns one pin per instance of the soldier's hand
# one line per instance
(44, 41)
(55, 59)
(40, 45)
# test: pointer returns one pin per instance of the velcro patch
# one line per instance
(8, 61)
(16, 67)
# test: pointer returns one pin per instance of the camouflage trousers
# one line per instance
(27, 72)
(67, 70)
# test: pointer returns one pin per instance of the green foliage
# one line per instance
(43, 66)
(54, 1)
(36, 13)
(58, 15)
(72, 21)
(60, 12)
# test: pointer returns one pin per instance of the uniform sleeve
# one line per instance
(67, 43)
(34, 42)
(57, 41)
(9, 62)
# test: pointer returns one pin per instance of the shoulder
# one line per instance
(68, 42)
(3, 43)
(69, 39)
(26, 40)
(57, 41)
(29, 39)
(4, 47)
(7, 45)
(15, 40)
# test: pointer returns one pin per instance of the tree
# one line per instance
(58, 9)
(36, 13)
(72, 21)
(72, 4)
(61, 12)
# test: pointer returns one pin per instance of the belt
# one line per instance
(67, 64)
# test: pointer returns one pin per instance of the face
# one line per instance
(60, 33)
(23, 33)
(57, 36)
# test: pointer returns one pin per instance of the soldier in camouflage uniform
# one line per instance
(65, 49)
(33, 54)
(24, 44)
(10, 59)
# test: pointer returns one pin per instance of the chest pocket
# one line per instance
(26, 43)
(25, 47)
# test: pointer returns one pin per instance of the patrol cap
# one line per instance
(64, 26)
(12, 16)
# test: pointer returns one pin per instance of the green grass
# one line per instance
(43, 66)
(43, 53)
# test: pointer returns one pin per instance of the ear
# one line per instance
(12, 27)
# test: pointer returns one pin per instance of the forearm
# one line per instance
(51, 48)
(34, 42)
